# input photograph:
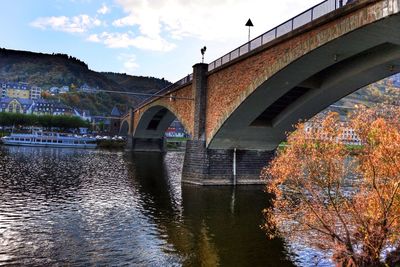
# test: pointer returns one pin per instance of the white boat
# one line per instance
(49, 139)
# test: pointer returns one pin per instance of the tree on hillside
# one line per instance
(329, 198)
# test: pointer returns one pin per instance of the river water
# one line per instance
(91, 207)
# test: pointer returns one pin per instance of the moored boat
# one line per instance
(49, 139)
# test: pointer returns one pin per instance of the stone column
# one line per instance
(129, 137)
(148, 144)
(195, 166)
(203, 166)
(199, 86)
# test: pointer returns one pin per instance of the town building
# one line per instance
(108, 123)
(51, 107)
(348, 136)
(54, 90)
(59, 90)
(15, 105)
(17, 90)
(85, 88)
(83, 114)
(35, 93)
(101, 123)
(3, 87)
(176, 129)
(20, 90)
(115, 121)
(38, 107)
(64, 89)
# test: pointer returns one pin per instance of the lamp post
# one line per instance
(203, 50)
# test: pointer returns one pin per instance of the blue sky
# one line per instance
(139, 37)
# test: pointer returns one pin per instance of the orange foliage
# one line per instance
(335, 200)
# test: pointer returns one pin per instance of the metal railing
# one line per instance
(302, 19)
(305, 17)
(167, 90)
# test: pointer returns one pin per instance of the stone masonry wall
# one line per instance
(215, 166)
(229, 86)
(181, 108)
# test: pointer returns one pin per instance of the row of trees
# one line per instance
(330, 199)
(46, 121)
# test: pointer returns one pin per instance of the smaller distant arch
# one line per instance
(124, 130)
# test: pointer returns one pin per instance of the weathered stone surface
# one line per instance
(183, 109)
(216, 166)
(147, 145)
(229, 85)
(200, 100)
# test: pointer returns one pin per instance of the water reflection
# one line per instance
(91, 207)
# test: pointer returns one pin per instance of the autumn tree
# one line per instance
(339, 200)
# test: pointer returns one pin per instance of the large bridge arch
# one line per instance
(305, 76)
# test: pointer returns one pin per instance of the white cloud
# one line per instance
(129, 63)
(104, 9)
(76, 24)
(221, 20)
(127, 39)
(93, 38)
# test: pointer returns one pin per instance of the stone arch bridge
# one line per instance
(238, 108)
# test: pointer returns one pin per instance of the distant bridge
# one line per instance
(238, 108)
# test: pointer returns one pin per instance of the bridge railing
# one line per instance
(168, 89)
(305, 17)
(302, 19)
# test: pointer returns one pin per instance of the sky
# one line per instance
(157, 38)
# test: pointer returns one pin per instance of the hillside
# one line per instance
(138, 84)
(383, 91)
(48, 70)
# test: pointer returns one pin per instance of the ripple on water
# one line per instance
(91, 207)
(65, 206)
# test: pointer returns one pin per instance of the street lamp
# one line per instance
(203, 50)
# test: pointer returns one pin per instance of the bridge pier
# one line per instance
(147, 144)
(203, 166)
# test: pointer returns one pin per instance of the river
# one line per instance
(94, 207)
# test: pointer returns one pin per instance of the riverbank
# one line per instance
(111, 144)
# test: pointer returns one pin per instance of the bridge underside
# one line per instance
(310, 84)
(149, 133)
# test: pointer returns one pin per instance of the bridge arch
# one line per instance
(124, 129)
(304, 81)
(154, 121)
